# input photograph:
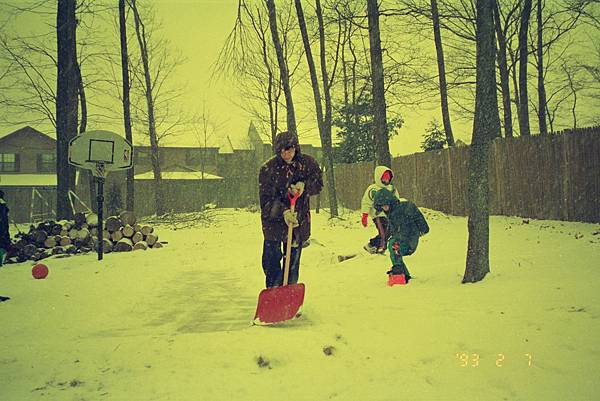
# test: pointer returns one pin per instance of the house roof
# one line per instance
(27, 180)
(27, 130)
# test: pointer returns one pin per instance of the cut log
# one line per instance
(71, 249)
(91, 219)
(79, 219)
(157, 245)
(64, 233)
(128, 231)
(116, 236)
(105, 234)
(58, 250)
(29, 250)
(65, 224)
(39, 236)
(140, 245)
(65, 240)
(124, 245)
(85, 225)
(147, 230)
(56, 229)
(83, 234)
(94, 231)
(137, 237)
(73, 233)
(137, 227)
(151, 239)
(113, 223)
(50, 242)
(127, 217)
(107, 245)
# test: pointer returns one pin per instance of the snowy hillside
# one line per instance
(174, 323)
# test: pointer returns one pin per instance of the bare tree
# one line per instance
(141, 34)
(380, 134)
(323, 120)
(523, 61)
(283, 70)
(502, 26)
(248, 56)
(485, 127)
(66, 102)
(441, 73)
(129, 199)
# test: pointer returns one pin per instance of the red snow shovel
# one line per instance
(279, 304)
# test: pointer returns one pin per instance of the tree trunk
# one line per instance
(129, 199)
(380, 136)
(485, 127)
(325, 133)
(154, 156)
(441, 73)
(283, 72)
(326, 140)
(523, 53)
(86, 174)
(540, 71)
(66, 103)
(504, 78)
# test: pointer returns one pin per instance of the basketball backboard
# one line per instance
(100, 151)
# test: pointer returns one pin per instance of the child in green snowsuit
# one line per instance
(406, 225)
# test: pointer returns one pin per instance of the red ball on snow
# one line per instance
(39, 271)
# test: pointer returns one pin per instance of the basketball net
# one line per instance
(100, 170)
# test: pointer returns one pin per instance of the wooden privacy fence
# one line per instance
(544, 177)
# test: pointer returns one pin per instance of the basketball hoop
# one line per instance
(100, 152)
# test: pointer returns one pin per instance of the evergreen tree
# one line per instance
(434, 138)
(355, 136)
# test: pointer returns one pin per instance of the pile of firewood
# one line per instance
(121, 234)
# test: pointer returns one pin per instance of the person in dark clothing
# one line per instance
(406, 225)
(289, 171)
(5, 244)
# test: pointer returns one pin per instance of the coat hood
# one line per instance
(379, 170)
(285, 139)
(384, 197)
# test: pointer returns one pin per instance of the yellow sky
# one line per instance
(198, 29)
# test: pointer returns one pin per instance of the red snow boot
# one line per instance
(394, 279)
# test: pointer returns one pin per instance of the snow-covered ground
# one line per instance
(174, 323)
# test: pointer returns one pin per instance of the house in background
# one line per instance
(28, 174)
(193, 176)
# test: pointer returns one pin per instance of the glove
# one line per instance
(365, 219)
(297, 187)
(290, 218)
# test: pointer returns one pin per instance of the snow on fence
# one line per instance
(543, 177)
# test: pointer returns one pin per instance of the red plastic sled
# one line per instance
(279, 304)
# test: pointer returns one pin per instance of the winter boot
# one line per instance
(370, 248)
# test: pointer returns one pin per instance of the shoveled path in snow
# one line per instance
(175, 324)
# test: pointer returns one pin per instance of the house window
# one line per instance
(9, 162)
(46, 163)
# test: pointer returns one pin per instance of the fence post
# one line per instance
(450, 189)
(565, 177)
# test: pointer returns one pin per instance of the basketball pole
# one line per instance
(100, 199)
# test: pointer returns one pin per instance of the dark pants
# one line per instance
(399, 248)
(380, 240)
(273, 251)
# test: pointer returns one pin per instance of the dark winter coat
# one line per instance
(275, 177)
(406, 222)
(4, 234)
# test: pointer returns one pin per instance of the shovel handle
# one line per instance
(288, 249)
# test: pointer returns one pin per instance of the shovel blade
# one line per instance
(279, 304)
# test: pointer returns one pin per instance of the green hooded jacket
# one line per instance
(406, 222)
